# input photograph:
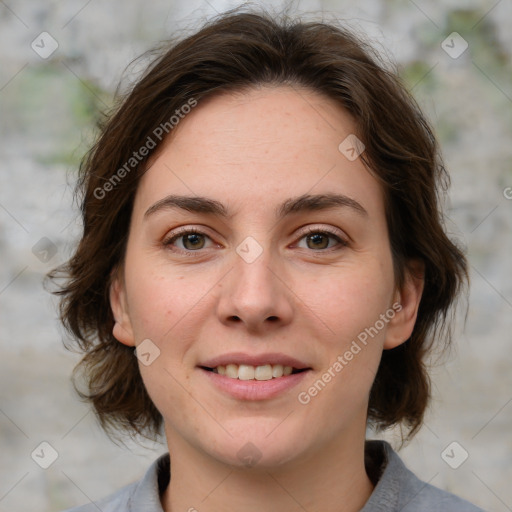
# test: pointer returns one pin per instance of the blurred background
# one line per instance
(60, 64)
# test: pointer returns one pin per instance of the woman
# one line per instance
(262, 230)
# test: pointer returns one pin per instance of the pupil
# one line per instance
(316, 237)
(195, 238)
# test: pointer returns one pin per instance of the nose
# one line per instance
(256, 295)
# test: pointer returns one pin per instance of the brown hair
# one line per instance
(234, 51)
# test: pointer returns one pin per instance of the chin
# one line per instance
(260, 448)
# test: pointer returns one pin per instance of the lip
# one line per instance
(254, 389)
(254, 360)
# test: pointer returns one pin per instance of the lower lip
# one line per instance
(254, 389)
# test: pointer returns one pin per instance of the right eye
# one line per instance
(192, 240)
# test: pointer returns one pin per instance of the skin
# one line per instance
(307, 298)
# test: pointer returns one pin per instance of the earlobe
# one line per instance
(122, 329)
(402, 324)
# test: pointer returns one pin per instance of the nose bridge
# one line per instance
(253, 292)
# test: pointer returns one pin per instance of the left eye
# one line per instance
(320, 238)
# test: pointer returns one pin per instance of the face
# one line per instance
(288, 265)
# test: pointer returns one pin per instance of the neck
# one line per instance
(332, 479)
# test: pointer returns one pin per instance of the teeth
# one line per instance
(263, 372)
(277, 370)
(248, 372)
(232, 371)
(245, 372)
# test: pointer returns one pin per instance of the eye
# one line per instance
(192, 240)
(318, 239)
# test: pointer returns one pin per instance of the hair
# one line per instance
(231, 53)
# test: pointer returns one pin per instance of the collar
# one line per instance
(385, 468)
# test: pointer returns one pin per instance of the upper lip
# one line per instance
(254, 360)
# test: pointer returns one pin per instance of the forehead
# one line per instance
(258, 145)
(280, 120)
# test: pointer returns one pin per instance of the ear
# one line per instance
(406, 304)
(122, 330)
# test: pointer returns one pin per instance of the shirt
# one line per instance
(397, 489)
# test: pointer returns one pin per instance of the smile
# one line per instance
(246, 376)
(249, 372)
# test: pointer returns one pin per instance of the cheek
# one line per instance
(160, 299)
(349, 300)
(351, 307)
(167, 388)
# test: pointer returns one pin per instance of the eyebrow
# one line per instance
(303, 203)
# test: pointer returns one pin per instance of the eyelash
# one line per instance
(168, 242)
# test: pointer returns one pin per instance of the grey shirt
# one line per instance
(396, 488)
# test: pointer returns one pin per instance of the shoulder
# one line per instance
(140, 496)
(116, 501)
(398, 489)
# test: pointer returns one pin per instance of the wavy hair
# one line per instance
(235, 51)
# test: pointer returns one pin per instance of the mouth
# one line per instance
(254, 377)
(250, 372)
